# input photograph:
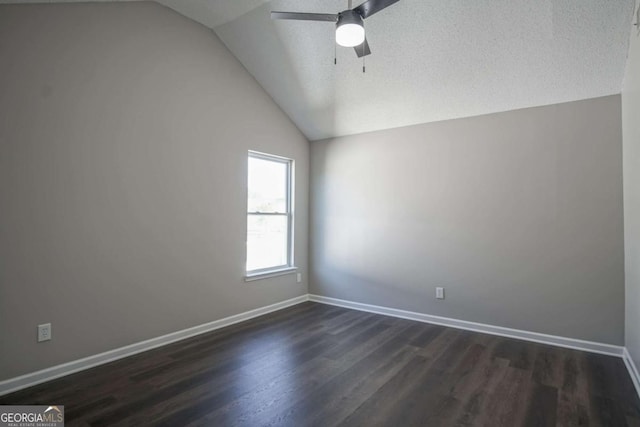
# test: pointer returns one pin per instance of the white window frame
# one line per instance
(289, 267)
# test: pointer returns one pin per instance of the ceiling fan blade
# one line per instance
(370, 7)
(325, 17)
(363, 49)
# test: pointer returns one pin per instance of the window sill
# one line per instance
(270, 273)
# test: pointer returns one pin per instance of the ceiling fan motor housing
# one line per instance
(349, 17)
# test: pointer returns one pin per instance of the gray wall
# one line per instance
(631, 144)
(518, 215)
(124, 130)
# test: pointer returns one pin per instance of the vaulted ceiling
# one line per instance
(431, 60)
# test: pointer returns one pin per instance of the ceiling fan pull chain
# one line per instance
(363, 55)
(335, 54)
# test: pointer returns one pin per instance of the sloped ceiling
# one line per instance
(432, 60)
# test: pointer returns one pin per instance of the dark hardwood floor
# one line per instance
(318, 365)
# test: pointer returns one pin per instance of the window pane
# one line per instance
(267, 238)
(267, 186)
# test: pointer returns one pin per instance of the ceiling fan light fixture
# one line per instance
(349, 29)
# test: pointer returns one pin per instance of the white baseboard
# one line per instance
(633, 370)
(593, 347)
(48, 374)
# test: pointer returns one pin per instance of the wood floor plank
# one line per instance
(226, 381)
(607, 412)
(547, 366)
(333, 401)
(430, 391)
(507, 405)
(320, 365)
(476, 393)
(573, 398)
(374, 411)
(543, 407)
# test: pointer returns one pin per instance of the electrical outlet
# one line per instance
(44, 332)
(299, 277)
(440, 293)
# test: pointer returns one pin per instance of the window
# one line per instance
(269, 215)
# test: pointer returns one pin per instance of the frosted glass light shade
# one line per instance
(350, 35)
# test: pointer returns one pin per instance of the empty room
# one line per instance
(320, 213)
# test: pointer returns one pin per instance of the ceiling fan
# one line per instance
(349, 23)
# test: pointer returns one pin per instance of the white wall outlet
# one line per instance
(440, 293)
(299, 277)
(44, 332)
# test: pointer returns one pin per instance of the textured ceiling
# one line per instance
(432, 60)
